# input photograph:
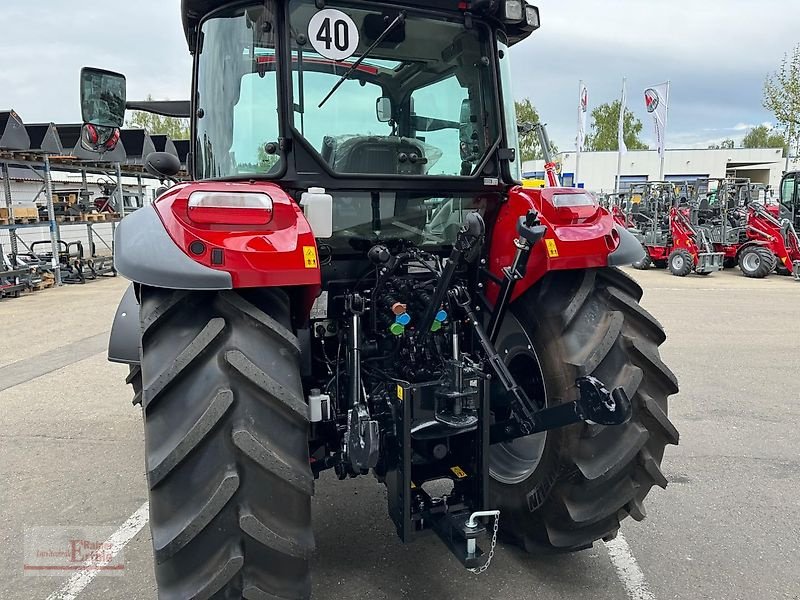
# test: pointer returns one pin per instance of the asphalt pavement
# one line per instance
(727, 526)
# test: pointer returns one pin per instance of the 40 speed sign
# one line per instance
(333, 34)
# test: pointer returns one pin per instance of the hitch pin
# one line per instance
(472, 523)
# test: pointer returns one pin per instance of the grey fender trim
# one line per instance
(123, 345)
(629, 250)
(144, 253)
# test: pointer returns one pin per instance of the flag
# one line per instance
(583, 106)
(655, 100)
(621, 127)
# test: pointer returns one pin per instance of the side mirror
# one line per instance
(103, 96)
(383, 109)
(95, 138)
(162, 165)
(525, 128)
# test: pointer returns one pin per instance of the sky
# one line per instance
(716, 53)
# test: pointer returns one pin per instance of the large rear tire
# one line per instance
(226, 434)
(563, 490)
(776, 267)
(134, 379)
(756, 262)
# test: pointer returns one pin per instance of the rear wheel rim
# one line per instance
(751, 261)
(513, 462)
(677, 262)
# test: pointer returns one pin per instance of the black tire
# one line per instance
(773, 263)
(756, 262)
(644, 264)
(729, 263)
(588, 477)
(134, 379)
(226, 434)
(680, 262)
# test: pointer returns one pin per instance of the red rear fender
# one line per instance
(282, 252)
(580, 234)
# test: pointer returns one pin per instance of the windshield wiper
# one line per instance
(399, 19)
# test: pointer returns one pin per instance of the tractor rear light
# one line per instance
(514, 11)
(573, 199)
(230, 208)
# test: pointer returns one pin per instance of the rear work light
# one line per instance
(513, 11)
(532, 16)
(230, 208)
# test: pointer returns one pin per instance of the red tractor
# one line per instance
(668, 234)
(720, 213)
(355, 281)
(773, 242)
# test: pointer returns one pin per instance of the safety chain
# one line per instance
(485, 566)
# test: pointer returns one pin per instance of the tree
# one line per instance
(724, 145)
(605, 123)
(782, 97)
(529, 145)
(764, 137)
(177, 129)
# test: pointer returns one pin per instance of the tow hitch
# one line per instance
(460, 532)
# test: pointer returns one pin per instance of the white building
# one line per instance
(598, 170)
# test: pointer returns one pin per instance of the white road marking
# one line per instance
(628, 569)
(622, 558)
(127, 531)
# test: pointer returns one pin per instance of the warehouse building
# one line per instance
(598, 170)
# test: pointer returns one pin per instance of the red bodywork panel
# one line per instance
(620, 217)
(578, 237)
(767, 231)
(281, 253)
(730, 251)
(682, 236)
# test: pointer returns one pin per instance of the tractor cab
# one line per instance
(790, 198)
(402, 114)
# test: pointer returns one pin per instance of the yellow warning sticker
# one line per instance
(400, 392)
(552, 249)
(413, 485)
(310, 256)
(458, 472)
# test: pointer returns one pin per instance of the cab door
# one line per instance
(790, 201)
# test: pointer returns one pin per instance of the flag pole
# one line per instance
(664, 141)
(578, 140)
(621, 135)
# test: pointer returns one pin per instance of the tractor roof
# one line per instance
(193, 11)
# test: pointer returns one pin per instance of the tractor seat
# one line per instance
(375, 155)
